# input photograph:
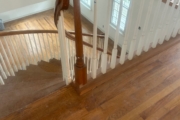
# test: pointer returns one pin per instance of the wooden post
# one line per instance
(80, 67)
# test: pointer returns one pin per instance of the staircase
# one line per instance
(86, 56)
(30, 85)
(55, 58)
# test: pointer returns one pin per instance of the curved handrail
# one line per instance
(68, 35)
(17, 32)
(86, 34)
(60, 5)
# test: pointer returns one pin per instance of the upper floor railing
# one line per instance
(84, 55)
(160, 22)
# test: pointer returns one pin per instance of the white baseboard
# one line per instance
(26, 11)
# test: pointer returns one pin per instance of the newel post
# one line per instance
(80, 67)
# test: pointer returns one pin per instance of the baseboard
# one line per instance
(26, 11)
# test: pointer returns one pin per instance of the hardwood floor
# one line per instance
(146, 88)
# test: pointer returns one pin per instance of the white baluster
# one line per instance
(4, 65)
(147, 43)
(133, 41)
(114, 51)
(127, 30)
(2, 72)
(104, 54)
(33, 52)
(69, 56)
(58, 48)
(15, 54)
(175, 31)
(53, 47)
(38, 53)
(171, 19)
(1, 81)
(19, 52)
(51, 55)
(7, 60)
(45, 48)
(27, 47)
(151, 33)
(94, 59)
(64, 49)
(175, 23)
(10, 55)
(40, 44)
(88, 63)
(160, 23)
(165, 25)
(23, 51)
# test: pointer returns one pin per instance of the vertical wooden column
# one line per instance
(80, 67)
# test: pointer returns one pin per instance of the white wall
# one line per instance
(15, 9)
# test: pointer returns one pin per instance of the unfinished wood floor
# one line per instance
(147, 91)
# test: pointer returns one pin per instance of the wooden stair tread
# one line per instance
(29, 85)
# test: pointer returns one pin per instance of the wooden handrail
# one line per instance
(86, 34)
(60, 5)
(17, 32)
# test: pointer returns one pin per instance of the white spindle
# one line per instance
(38, 54)
(4, 76)
(58, 47)
(88, 63)
(33, 52)
(114, 51)
(1, 81)
(4, 65)
(177, 22)
(69, 56)
(170, 19)
(10, 55)
(45, 48)
(23, 51)
(15, 54)
(104, 54)
(51, 55)
(19, 52)
(151, 34)
(133, 41)
(40, 44)
(172, 26)
(7, 60)
(160, 23)
(94, 59)
(27, 47)
(127, 30)
(165, 25)
(64, 49)
(53, 47)
(144, 31)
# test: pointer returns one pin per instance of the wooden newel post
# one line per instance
(80, 67)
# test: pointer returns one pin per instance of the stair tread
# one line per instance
(30, 85)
